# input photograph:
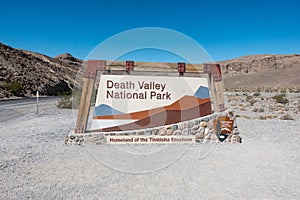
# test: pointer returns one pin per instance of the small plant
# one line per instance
(271, 116)
(252, 102)
(287, 117)
(14, 87)
(256, 94)
(243, 108)
(65, 100)
(262, 117)
(69, 100)
(283, 91)
(280, 98)
(248, 98)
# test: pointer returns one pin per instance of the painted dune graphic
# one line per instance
(186, 108)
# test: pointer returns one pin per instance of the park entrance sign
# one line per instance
(138, 102)
(150, 102)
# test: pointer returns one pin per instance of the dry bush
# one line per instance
(280, 98)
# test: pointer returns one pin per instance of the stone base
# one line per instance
(201, 128)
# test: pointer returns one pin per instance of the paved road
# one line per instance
(13, 108)
(26, 101)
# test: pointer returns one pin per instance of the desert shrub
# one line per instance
(261, 110)
(248, 98)
(69, 100)
(258, 110)
(14, 87)
(252, 102)
(287, 117)
(280, 98)
(262, 117)
(65, 100)
(283, 91)
(243, 108)
(271, 116)
(256, 94)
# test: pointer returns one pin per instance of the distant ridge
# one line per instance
(264, 70)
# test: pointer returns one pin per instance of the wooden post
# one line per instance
(129, 66)
(88, 85)
(216, 86)
(181, 68)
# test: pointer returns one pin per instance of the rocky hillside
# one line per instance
(259, 71)
(22, 73)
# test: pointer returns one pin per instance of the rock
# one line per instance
(192, 132)
(203, 124)
(162, 131)
(148, 132)
(235, 131)
(182, 125)
(190, 125)
(195, 127)
(66, 140)
(201, 129)
(206, 131)
(174, 127)
(185, 131)
(154, 131)
(177, 132)
(169, 132)
(235, 139)
(199, 136)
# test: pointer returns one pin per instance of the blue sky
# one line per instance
(226, 29)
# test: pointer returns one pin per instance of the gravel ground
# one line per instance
(35, 164)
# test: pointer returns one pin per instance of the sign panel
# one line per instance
(138, 102)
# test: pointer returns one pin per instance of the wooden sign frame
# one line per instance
(93, 66)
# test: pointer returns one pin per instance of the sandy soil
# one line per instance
(35, 164)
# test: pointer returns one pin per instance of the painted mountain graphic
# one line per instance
(202, 92)
(186, 108)
(104, 110)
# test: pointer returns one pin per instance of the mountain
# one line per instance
(103, 110)
(23, 72)
(202, 92)
(186, 108)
